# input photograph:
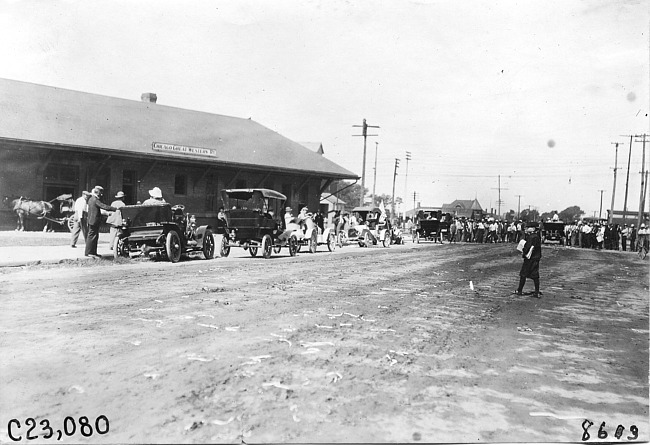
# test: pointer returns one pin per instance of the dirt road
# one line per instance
(362, 345)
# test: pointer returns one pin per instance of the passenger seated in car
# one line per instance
(155, 198)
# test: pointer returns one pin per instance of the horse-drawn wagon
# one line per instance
(161, 230)
(25, 208)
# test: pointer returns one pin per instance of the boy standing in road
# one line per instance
(530, 269)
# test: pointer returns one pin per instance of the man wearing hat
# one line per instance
(80, 218)
(115, 218)
(95, 206)
(155, 198)
(531, 254)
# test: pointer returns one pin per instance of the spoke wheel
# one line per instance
(331, 242)
(173, 246)
(225, 246)
(69, 223)
(120, 248)
(293, 245)
(208, 245)
(267, 246)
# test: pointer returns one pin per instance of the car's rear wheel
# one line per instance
(267, 246)
(208, 245)
(225, 246)
(293, 245)
(173, 246)
(331, 242)
(120, 248)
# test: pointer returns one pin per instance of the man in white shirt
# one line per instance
(80, 218)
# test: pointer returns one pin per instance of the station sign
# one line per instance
(183, 149)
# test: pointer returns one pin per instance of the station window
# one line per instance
(180, 185)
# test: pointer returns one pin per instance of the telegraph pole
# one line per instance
(616, 167)
(642, 197)
(408, 158)
(415, 194)
(365, 135)
(600, 212)
(499, 202)
(627, 181)
(392, 210)
(519, 207)
(374, 182)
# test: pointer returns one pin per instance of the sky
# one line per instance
(531, 92)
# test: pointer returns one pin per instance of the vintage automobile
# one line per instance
(254, 220)
(432, 226)
(311, 236)
(369, 230)
(163, 231)
(552, 231)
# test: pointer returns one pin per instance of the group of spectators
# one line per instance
(606, 236)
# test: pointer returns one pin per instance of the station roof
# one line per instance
(68, 119)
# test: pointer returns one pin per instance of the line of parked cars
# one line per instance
(252, 221)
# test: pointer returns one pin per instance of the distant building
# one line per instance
(55, 141)
(464, 208)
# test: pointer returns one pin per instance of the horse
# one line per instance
(26, 207)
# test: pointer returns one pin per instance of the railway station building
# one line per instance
(55, 141)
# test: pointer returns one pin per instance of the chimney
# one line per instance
(149, 97)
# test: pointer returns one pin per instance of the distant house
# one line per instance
(464, 208)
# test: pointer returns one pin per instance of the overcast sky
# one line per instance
(534, 91)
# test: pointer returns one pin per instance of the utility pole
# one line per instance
(374, 182)
(408, 158)
(519, 207)
(392, 210)
(642, 197)
(600, 212)
(499, 202)
(365, 135)
(627, 181)
(616, 167)
(415, 194)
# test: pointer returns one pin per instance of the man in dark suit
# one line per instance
(95, 206)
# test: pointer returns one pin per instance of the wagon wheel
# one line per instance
(267, 246)
(121, 248)
(386, 241)
(225, 246)
(252, 250)
(173, 246)
(293, 245)
(331, 242)
(208, 245)
(69, 223)
(313, 242)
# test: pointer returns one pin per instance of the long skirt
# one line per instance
(530, 269)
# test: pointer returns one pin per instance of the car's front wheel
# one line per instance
(173, 246)
(208, 245)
